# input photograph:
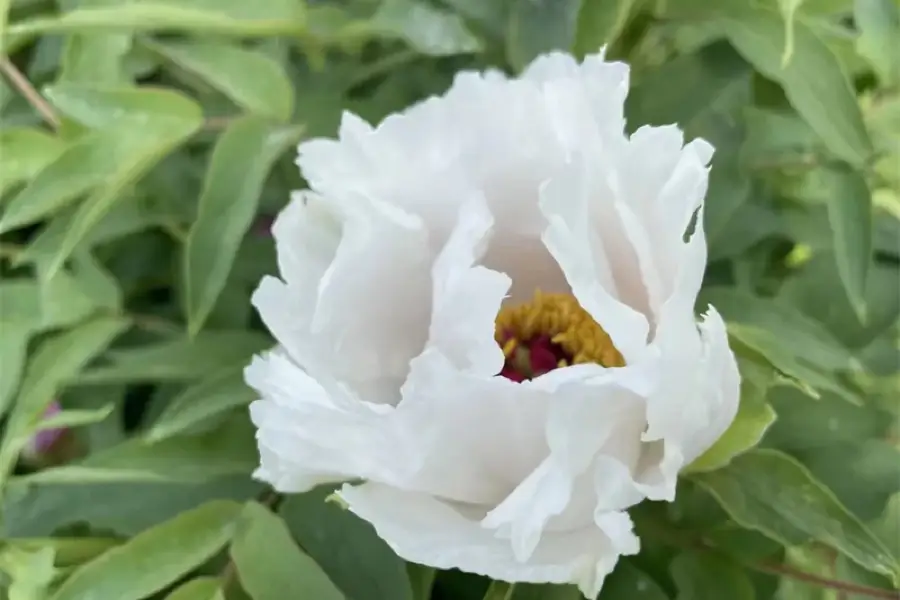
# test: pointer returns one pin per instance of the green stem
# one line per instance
(499, 590)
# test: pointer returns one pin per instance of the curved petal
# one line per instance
(424, 530)
(310, 432)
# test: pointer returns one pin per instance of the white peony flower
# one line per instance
(485, 320)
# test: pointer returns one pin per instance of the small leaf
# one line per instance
(600, 22)
(75, 418)
(269, 564)
(427, 29)
(772, 493)
(708, 577)
(788, 10)
(252, 80)
(25, 153)
(850, 214)
(878, 22)
(13, 348)
(238, 169)
(539, 26)
(31, 572)
(813, 80)
(200, 402)
(201, 588)
(156, 558)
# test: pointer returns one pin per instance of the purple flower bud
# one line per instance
(43, 441)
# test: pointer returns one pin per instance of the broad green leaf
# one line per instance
(347, 548)
(156, 558)
(753, 419)
(250, 79)
(238, 169)
(31, 572)
(775, 495)
(850, 214)
(154, 122)
(628, 581)
(707, 577)
(69, 551)
(600, 22)
(813, 80)
(427, 29)
(95, 282)
(125, 508)
(863, 474)
(200, 402)
(539, 26)
(878, 22)
(778, 138)
(800, 335)
(57, 359)
(25, 153)
(201, 588)
(178, 359)
(226, 450)
(159, 16)
(96, 57)
(269, 564)
(888, 524)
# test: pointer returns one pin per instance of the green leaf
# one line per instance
(13, 348)
(25, 153)
(600, 22)
(878, 22)
(56, 360)
(96, 58)
(709, 577)
(539, 26)
(200, 402)
(775, 495)
(427, 29)
(238, 169)
(31, 572)
(226, 450)
(156, 558)
(252, 80)
(161, 16)
(788, 10)
(347, 548)
(75, 418)
(753, 419)
(269, 564)
(628, 581)
(201, 588)
(125, 508)
(179, 359)
(850, 214)
(72, 173)
(813, 80)
(153, 123)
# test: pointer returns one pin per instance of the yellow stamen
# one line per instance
(565, 322)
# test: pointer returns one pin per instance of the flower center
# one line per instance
(550, 332)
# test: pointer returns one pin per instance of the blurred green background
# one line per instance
(146, 145)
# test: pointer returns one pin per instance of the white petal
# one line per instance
(565, 202)
(467, 297)
(309, 434)
(424, 530)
